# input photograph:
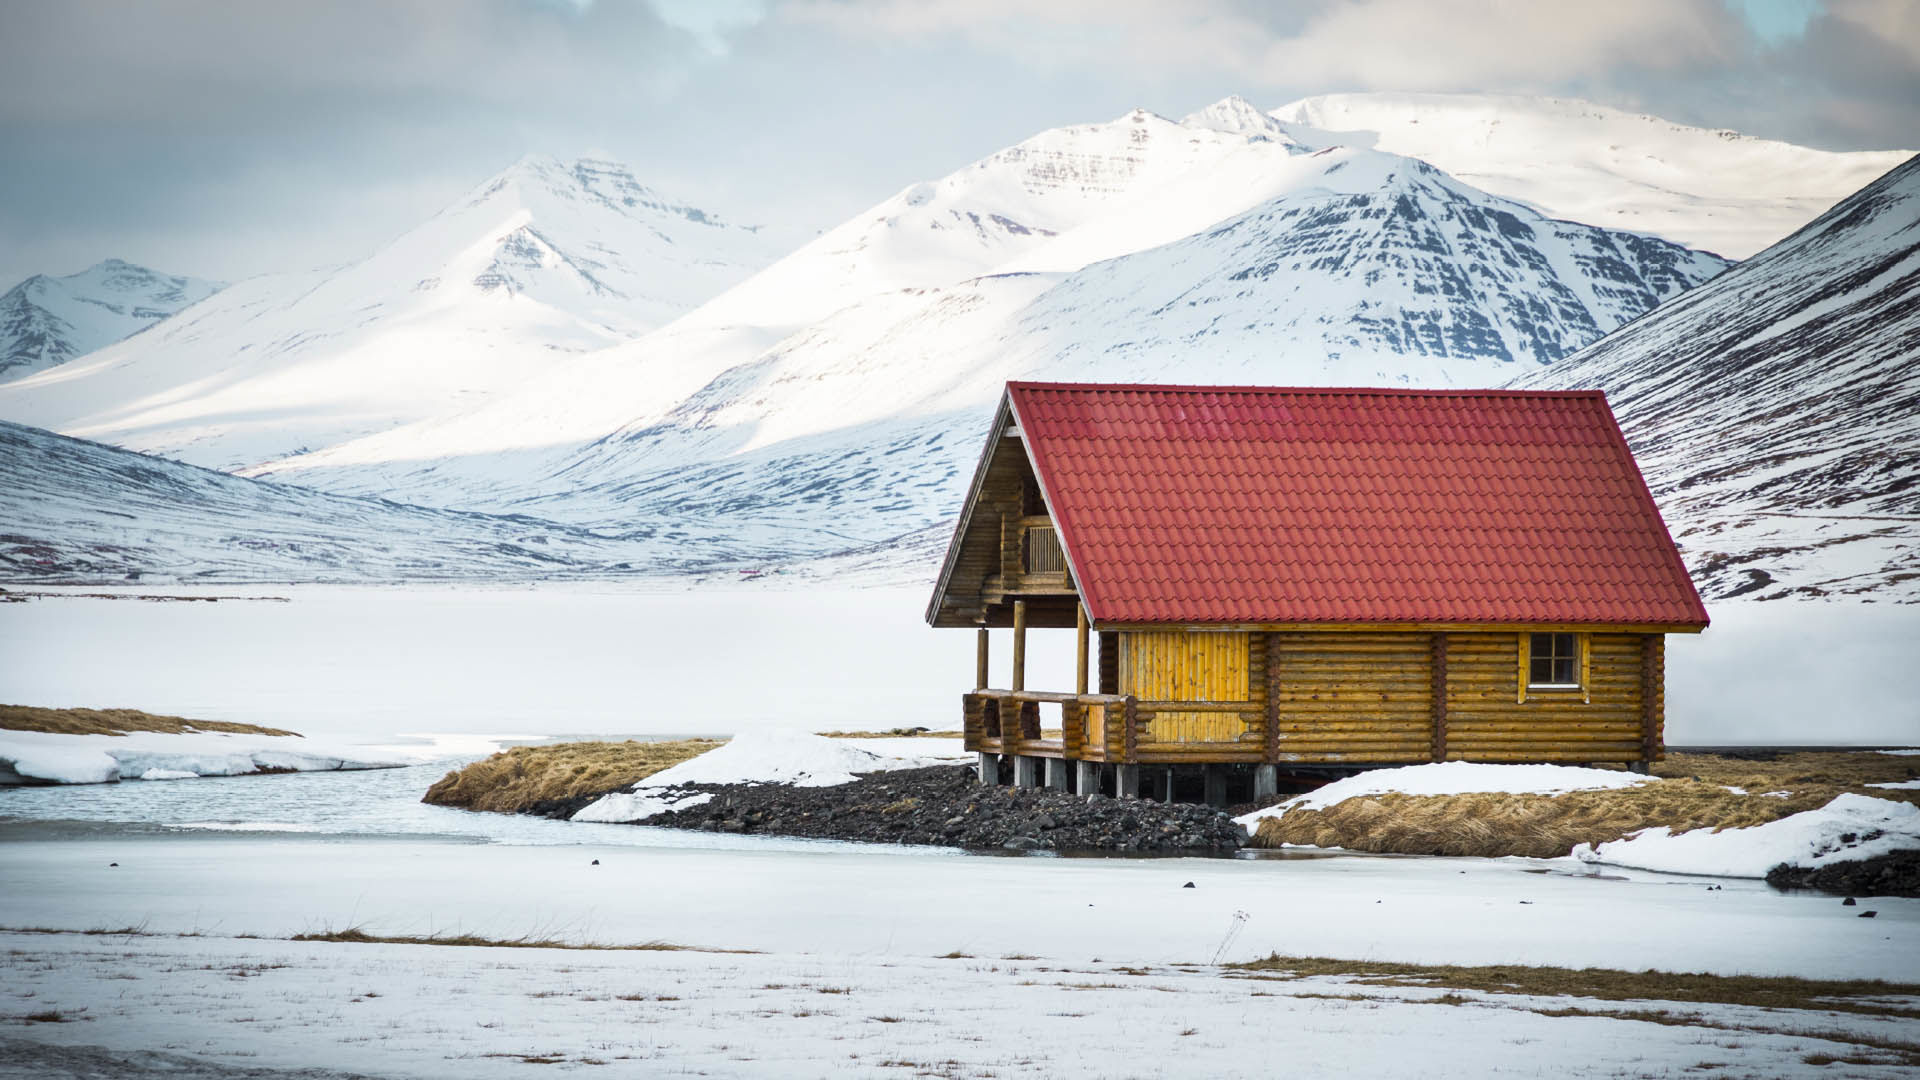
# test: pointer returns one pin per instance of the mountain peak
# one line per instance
(1235, 115)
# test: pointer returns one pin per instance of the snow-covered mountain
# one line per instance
(1776, 409)
(828, 408)
(47, 321)
(78, 511)
(536, 267)
(1718, 190)
(1343, 266)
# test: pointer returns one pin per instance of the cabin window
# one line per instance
(1553, 661)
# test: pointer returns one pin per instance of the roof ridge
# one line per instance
(1321, 391)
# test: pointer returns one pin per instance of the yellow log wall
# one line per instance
(1168, 666)
(1487, 722)
(1356, 696)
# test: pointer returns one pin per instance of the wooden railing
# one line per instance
(1093, 727)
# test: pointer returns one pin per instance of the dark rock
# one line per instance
(1188, 885)
(1897, 873)
(1866, 915)
(944, 805)
(1848, 902)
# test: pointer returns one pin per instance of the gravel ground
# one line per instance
(943, 805)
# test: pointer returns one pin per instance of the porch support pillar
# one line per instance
(1086, 780)
(1056, 773)
(1216, 784)
(1126, 781)
(1266, 781)
(980, 660)
(1019, 644)
(1026, 772)
(1080, 649)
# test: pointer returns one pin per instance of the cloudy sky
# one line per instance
(226, 137)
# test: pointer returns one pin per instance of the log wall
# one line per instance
(1353, 696)
(1349, 697)
(1486, 721)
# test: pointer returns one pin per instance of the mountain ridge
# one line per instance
(47, 321)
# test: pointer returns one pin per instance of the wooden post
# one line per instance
(1439, 692)
(1019, 644)
(1080, 653)
(980, 660)
(1131, 732)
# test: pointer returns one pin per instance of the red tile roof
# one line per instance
(1200, 504)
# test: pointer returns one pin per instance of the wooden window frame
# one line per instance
(1583, 654)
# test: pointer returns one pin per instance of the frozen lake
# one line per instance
(376, 662)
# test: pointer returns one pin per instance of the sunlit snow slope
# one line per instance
(47, 321)
(541, 264)
(1718, 190)
(1776, 409)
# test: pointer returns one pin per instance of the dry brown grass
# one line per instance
(1848, 769)
(1546, 826)
(1870, 996)
(116, 722)
(516, 779)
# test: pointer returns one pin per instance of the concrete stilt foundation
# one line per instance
(1056, 774)
(1086, 779)
(1026, 771)
(1216, 785)
(1126, 781)
(1166, 790)
(988, 770)
(1266, 781)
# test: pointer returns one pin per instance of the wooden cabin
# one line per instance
(1268, 580)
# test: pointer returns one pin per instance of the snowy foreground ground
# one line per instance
(1070, 967)
(477, 1012)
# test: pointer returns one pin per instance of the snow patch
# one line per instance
(1452, 778)
(1849, 828)
(150, 755)
(777, 756)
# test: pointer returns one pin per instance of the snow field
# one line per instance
(476, 1012)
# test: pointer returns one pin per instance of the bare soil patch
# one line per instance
(117, 722)
(519, 779)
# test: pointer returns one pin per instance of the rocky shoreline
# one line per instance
(943, 805)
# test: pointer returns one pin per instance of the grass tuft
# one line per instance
(516, 779)
(116, 722)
